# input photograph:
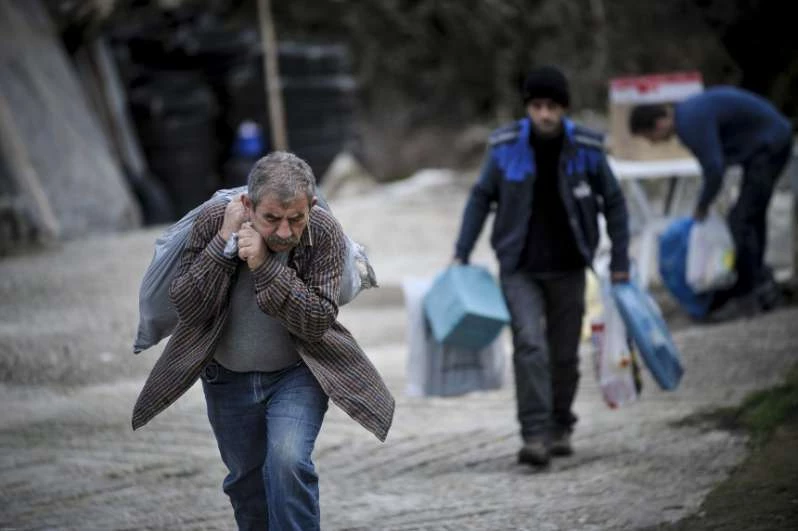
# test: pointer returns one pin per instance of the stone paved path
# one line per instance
(68, 459)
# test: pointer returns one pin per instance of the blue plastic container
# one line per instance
(465, 307)
(650, 333)
(248, 142)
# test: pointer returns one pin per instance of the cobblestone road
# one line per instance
(69, 460)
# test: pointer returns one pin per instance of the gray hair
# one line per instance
(282, 174)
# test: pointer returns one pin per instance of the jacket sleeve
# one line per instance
(710, 156)
(200, 286)
(306, 308)
(699, 131)
(483, 194)
(616, 216)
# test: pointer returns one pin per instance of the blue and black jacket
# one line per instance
(587, 187)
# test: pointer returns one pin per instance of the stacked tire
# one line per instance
(175, 113)
(192, 82)
(319, 95)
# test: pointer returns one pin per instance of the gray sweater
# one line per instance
(253, 340)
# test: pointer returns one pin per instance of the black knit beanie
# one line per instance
(546, 82)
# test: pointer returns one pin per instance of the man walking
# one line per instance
(723, 126)
(259, 327)
(548, 180)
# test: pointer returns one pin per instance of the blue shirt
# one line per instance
(723, 126)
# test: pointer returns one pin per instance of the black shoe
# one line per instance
(534, 452)
(560, 444)
(742, 307)
(768, 295)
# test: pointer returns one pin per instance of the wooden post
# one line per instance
(279, 138)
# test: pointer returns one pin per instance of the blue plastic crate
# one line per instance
(465, 307)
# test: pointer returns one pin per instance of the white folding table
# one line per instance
(631, 174)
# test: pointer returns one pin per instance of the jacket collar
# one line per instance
(306, 240)
(517, 160)
(526, 129)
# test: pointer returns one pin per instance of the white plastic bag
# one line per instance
(157, 316)
(616, 376)
(710, 256)
(358, 273)
(434, 369)
(615, 342)
(613, 359)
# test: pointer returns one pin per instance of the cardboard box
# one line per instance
(627, 92)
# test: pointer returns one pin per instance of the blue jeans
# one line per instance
(266, 424)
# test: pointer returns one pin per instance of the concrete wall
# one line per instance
(59, 138)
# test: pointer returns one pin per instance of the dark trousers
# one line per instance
(748, 220)
(546, 317)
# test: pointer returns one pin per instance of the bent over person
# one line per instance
(723, 126)
(548, 180)
(259, 328)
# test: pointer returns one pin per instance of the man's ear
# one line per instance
(246, 201)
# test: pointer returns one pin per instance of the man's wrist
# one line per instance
(215, 250)
(231, 246)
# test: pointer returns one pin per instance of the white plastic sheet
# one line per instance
(710, 256)
(434, 369)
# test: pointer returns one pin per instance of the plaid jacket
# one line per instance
(301, 295)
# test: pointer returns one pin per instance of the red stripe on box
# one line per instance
(652, 82)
